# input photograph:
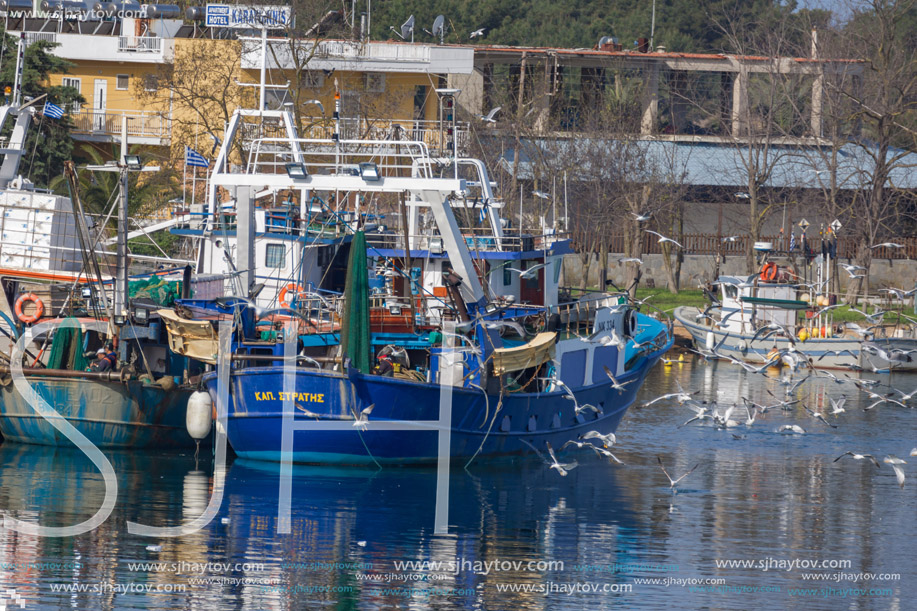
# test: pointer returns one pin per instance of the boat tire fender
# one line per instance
(553, 322)
(630, 323)
(39, 308)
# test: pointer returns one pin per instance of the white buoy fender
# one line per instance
(198, 416)
(710, 341)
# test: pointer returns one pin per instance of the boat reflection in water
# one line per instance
(348, 529)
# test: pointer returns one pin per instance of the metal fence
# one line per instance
(711, 244)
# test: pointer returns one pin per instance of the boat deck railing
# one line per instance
(401, 158)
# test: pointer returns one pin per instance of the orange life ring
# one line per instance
(39, 308)
(769, 272)
(283, 293)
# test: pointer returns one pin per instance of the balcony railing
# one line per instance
(140, 123)
(31, 37)
(140, 44)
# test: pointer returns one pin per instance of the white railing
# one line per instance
(140, 123)
(140, 44)
(31, 37)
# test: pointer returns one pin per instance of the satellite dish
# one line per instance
(439, 27)
(407, 29)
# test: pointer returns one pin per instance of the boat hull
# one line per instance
(523, 422)
(822, 351)
(109, 414)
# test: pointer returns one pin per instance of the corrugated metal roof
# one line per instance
(725, 164)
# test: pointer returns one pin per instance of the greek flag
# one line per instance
(194, 158)
(792, 240)
(52, 110)
(483, 215)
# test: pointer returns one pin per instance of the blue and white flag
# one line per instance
(792, 240)
(194, 158)
(52, 110)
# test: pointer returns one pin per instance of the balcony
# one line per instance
(152, 128)
(139, 44)
(127, 49)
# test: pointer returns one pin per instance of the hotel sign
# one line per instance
(246, 16)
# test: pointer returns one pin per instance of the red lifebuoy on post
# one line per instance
(282, 299)
(39, 308)
(769, 272)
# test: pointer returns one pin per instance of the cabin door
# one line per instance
(531, 288)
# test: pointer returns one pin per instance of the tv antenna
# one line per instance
(407, 29)
(439, 28)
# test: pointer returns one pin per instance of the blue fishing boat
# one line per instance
(479, 351)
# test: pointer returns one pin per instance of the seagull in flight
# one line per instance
(541, 194)
(361, 420)
(896, 463)
(887, 245)
(636, 260)
(477, 33)
(673, 482)
(837, 407)
(642, 218)
(599, 451)
(818, 416)
(731, 238)
(607, 440)
(614, 382)
(792, 429)
(859, 457)
(899, 293)
(662, 239)
(489, 117)
(562, 468)
(528, 273)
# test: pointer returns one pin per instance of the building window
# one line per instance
(275, 256)
(151, 82)
(374, 82)
(123, 81)
(75, 83)
(313, 79)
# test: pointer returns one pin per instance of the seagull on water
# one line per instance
(673, 482)
(859, 457)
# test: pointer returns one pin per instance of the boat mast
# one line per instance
(121, 300)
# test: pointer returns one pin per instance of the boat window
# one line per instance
(275, 255)
(732, 291)
(507, 274)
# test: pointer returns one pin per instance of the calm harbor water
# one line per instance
(766, 520)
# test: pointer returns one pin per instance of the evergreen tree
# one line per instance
(48, 144)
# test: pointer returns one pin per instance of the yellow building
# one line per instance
(177, 84)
